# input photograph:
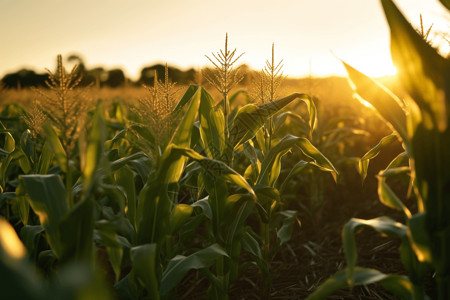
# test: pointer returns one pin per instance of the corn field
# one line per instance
(225, 190)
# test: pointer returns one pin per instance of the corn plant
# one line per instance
(421, 124)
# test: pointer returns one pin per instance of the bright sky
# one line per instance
(135, 33)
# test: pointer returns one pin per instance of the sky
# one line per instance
(309, 35)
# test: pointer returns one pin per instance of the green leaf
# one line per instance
(144, 267)
(422, 70)
(95, 148)
(180, 214)
(206, 208)
(180, 265)
(372, 153)
(388, 106)
(46, 158)
(117, 164)
(10, 143)
(251, 118)
(212, 126)
(215, 168)
(284, 145)
(76, 233)
(191, 90)
(30, 237)
(125, 178)
(396, 284)
(389, 198)
(47, 198)
(289, 219)
(183, 132)
(297, 168)
(238, 207)
(383, 225)
(420, 239)
(56, 147)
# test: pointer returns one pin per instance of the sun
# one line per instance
(376, 68)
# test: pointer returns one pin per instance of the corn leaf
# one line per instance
(297, 168)
(180, 214)
(284, 233)
(284, 145)
(389, 198)
(212, 126)
(144, 267)
(125, 178)
(180, 265)
(419, 236)
(383, 225)
(372, 153)
(45, 160)
(95, 148)
(396, 284)
(388, 106)
(56, 147)
(251, 118)
(422, 70)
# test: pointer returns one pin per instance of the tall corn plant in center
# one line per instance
(422, 124)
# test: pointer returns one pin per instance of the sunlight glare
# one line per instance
(10, 242)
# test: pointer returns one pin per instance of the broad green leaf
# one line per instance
(420, 239)
(238, 207)
(206, 208)
(183, 132)
(383, 225)
(95, 148)
(125, 178)
(30, 236)
(153, 213)
(47, 198)
(180, 214)
(180, 265)
(424, 73)
(212, 126)
(284, 233)
(46, 158)
(297, 168)
(215, 168)
(251, 118)
(251, 245)
(76, 233)
(285, 144)
(116, 165)
(289, 118)
(144, 267)
(372, 153)
(389, 198)
(388, 106)
(10, 143)
(115, 255)
(396, 284)
(56, 147)
(190, 91)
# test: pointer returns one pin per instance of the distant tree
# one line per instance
(24, 78)
(175, 74)
(116, 78)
